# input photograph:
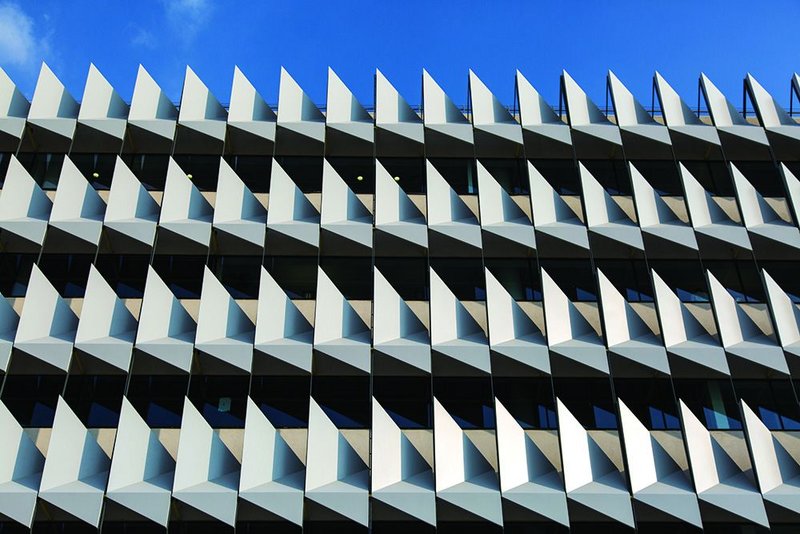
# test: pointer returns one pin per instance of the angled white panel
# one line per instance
(131, 210)
(206, 472)
(344, 113)
(511, 332)
(101, 107)
(604, 216)
(13, 107)
(706, 215)
(590, 477)
(392, 112)
(200, 110)
(717, 479)
(536, 114)
(9, 320)
(758, 216)
(740, 335)
(527, 477)
(151, 109)
(106, 329)
(397, 330)
(47, 325)
(248, 111)
(500, 215)
(76, 469)
(772, 116)
(489, 114)
(448, 214)
(395, 213)
(679, 116)
(77, 209)
(272, 475)
(52, 107)
(631, 115)
(551, 215)
(569, 334)
(441, 114)
(336, 477)
(142, 470)
(792, 189)
(785, 315)
(21, 466)
(184, 210)
(725, 116)
(343, 213)
(464, 477)
(166, 330)
(584, 115)
(237, 211)
(401, 477)
(290, 212)
(339, 331)
(775, 465)
(655, 217)
(282, 331)
(627, 334)
(296, 110)
(683, 334)
(223, 329)
(454, 332)
(24, 207)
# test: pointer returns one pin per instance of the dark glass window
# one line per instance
(44, 167)
(785, 274)
(529, 400)
(407, 399)
(684, 277)
(561, 174)
(510, 173)
(630, 277)
(159, 398)
(5, 158)
(612, 174)
(67, 272)
(201, 169)
(15, 270)
(262, 527)
(182, 274)
(345, 399)
(464, 276)
(357, 173)
(254, 171)
(589, 400)
(460, 173)
(651, 400)
(662, 175)
(574, 277)
(283, 399)
(519, 276)
(297, 275)
(401, 527)
(468, 400)
(96, 168)
(774, 402)
(408, 276)
(239, 274)
(150, 169)
(713, 175)
(306, 171)
(711, 401)
(352, 276)
(96, 399)
(409, 173)
(125, 273)
(740, 278)
(221, 399)
(32, 399)
(764, 176)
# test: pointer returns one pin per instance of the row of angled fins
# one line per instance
(478, 473)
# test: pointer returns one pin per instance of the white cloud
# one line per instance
(144, 38)
(19, 44)
(188, 17)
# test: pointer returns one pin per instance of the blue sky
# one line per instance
(680, 38)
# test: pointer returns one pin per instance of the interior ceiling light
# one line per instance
(360, 178)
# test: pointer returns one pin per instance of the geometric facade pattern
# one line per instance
(448, 319)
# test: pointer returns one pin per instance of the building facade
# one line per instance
(486, 319)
